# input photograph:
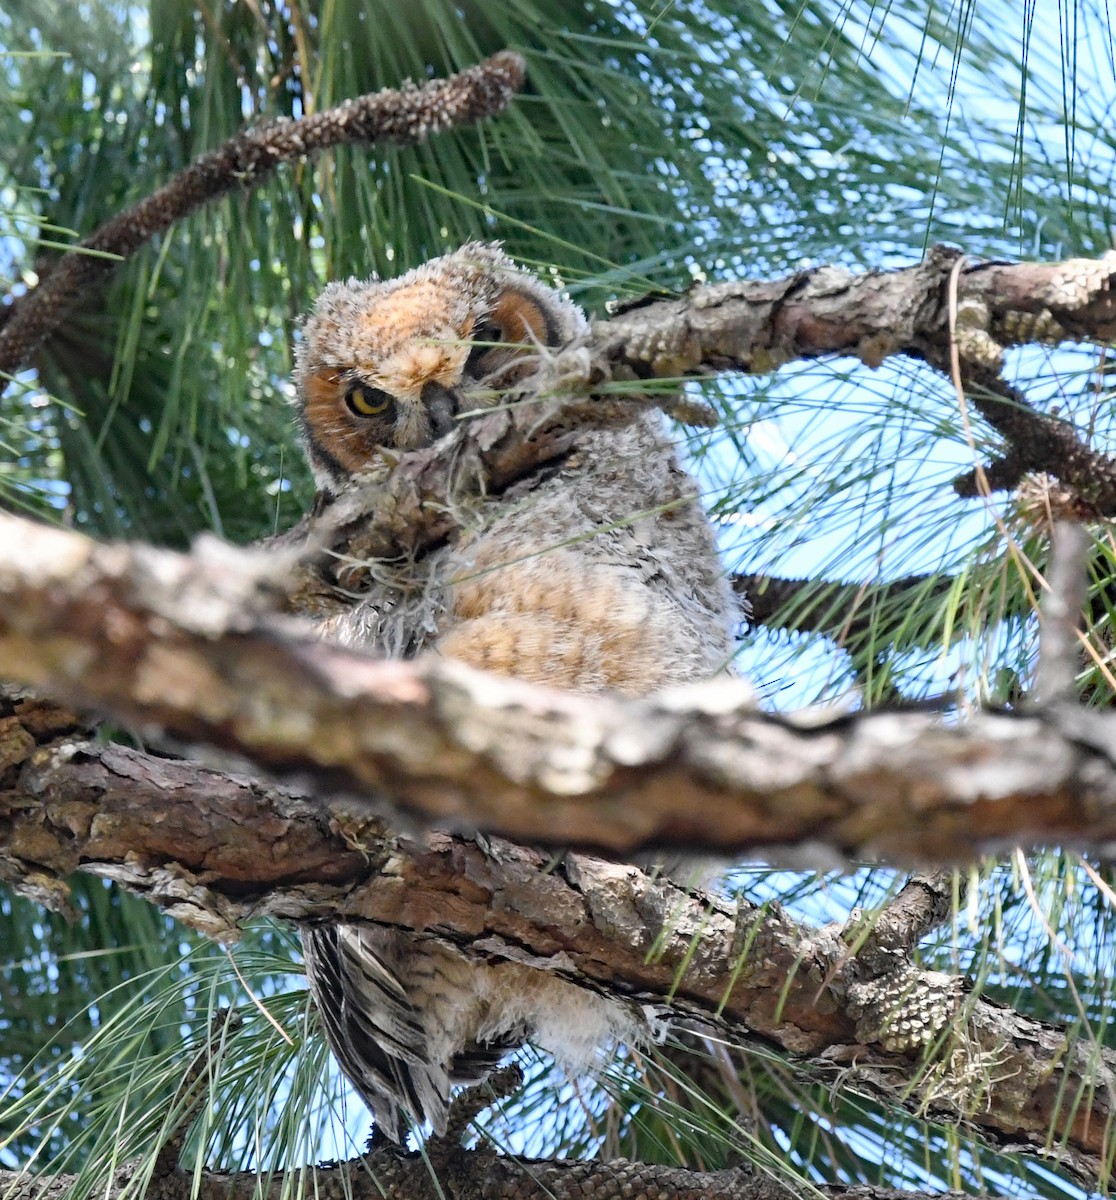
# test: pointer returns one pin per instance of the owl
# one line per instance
(596, 573)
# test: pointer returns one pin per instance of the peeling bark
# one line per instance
(845, 1004)
(183, 644)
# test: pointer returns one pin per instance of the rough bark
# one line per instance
(845, 1003)
(470, 1175)
(757, 326)
(180, 643)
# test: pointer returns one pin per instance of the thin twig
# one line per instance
(1062, 605)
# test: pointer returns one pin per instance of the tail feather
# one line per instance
(372, 1027)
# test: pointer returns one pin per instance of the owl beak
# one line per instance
(441, 404)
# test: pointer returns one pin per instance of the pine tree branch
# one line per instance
(182, 643)
(757, 326)
(1035, 442)
(476, 1175)
(844, 1003)
(843, 1006)
(926, 901)
(396, 116)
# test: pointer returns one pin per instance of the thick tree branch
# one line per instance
(402, 117)
(758, 326)
(216, 851)
(926, 901)
(472, 1175)
(172, 641)
(843, 1003)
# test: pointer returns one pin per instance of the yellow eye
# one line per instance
(366, 401)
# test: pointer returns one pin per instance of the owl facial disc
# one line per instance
(393, 363)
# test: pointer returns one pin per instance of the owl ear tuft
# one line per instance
(483, 256)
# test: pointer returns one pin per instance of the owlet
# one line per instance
(598, 572)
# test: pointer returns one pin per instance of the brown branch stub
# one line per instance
(398, 116)
(467, 1105)
(1062, 605)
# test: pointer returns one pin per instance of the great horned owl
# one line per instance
(599, 573)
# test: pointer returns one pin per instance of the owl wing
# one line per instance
(372, 1027)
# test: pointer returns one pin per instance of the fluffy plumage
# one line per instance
(603, 575)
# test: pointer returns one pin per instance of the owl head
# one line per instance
(393, 363)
